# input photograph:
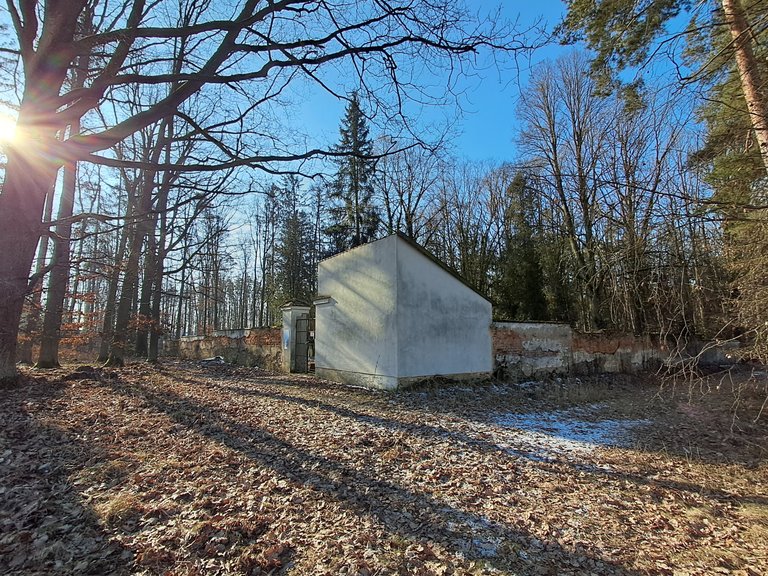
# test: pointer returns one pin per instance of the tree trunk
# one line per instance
(33, 318)
(157, 296)
(254, 291)
(137, 233)
(108, 325)
(117, 349)
(158, 269)
(57, 285)
(751, 83)
(145, 300)
(31, 169)
(28, 178)
(180, 311)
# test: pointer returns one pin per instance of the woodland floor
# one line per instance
(184, 469)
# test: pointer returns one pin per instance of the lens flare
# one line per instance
(7, 129)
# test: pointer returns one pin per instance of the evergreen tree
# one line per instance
(731, 153)
(354, 215)
(735, 168)
(624, 33)
(294, 251)
(520, 286)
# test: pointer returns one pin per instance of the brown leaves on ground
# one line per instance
(179, 469)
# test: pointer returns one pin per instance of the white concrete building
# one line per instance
(389, 314)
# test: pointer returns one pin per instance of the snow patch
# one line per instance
(545, 436)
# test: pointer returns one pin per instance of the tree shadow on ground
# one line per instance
(469, 534)
(431, 432)
(696, 427)
(665, 436)
(45, 527)
(700, 430)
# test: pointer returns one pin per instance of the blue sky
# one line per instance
(486, 123)
(489, 118)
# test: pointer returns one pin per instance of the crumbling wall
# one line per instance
(536, 349)
(520, 350)
(531, 349)
(252, 347)
(601, 353)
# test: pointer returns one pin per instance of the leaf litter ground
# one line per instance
(185, 469)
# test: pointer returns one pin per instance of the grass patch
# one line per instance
(122, 509)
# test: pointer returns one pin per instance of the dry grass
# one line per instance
(122, 509)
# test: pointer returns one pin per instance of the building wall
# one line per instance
(388, 315)
(443, 325)
(600, 353)
(537, 349)
(252, 347)
(355, 329)
(520, 350)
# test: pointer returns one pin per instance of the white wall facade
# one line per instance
(443, 326)
(388, 315)
(355, 318)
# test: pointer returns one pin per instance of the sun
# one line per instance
(7, 129)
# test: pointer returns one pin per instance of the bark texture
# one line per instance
(749, 73)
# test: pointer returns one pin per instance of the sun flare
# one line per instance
(7, 129)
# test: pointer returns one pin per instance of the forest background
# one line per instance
(159, 182)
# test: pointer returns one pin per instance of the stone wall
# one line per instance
(520, 350)
(531, 349)
(600, 353)
(251, 347)
(537, 349)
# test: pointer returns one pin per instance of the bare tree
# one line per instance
(407, 183)
(565, 135)
(254, 48)
(57, 285)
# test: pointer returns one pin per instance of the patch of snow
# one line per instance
(486, 548)
(483, 543)
(528, 384)
(544, 436)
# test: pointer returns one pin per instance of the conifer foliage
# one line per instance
(354, 216)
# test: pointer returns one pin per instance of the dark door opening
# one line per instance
(304, 351)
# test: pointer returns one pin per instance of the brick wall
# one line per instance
(530, 349)
(252, 347)
(536, 349)
(598, 353)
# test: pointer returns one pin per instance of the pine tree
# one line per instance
(731, 153)
(354, 215)
(625, 33)
(735, 168)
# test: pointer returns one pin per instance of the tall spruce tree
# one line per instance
(294, 262)
(520, 283)
(354, 214)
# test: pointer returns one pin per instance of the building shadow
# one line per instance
(470, 442)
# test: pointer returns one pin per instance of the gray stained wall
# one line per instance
(388, 315)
